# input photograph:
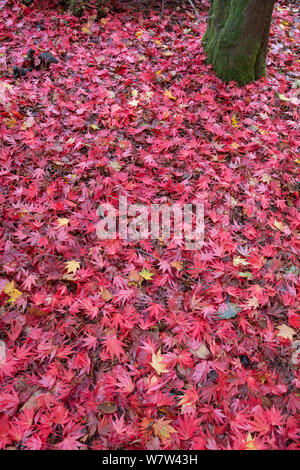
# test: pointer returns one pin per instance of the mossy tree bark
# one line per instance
(77, 6)
(237, 37)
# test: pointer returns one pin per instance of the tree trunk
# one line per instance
(77, 6)
(237, 37)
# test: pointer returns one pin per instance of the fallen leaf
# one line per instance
(2, 352)
(163, 429)
(62, 222)
(32, 401)
(11, 123)
(250, 444)
(279, 225)
(286, 332)
(133, 102)
(72, 266)
(292, 99)
(135, 277)
(37, 311)
(158, 364)
(147, 275)
(27, 124)
(253, 302)
(234, 121)
(105, 294)
(169, 95)
(178, 265)
(238, 261)
(245, 274)
(230, 310)
(107, 407)
(13, 293)
(202, 352)
(115, 165)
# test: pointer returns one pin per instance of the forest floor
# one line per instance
(109, 344)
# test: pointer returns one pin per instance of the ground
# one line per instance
(109, 344)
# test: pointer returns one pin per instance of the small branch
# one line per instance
(162, 7)
(195, 9)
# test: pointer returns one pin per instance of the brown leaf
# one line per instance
(37, 311)
(202, 351)
(31, 402)
(2, 352)
(107, 407)
(105, 294)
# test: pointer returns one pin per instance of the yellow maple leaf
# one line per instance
(235, 145)
(286, 332)
(9, 287)
(233, 201)
(250, 444)
(5, 85)
(63, 221)
(147, 275)
(178, 265)
(266, 178)
(115, 165)
(234, 121)
(158, 364)
(139, 34)
(169, 95)
(72, 266)
(13, 293)
(279, 225)
(253, 302)
(246, 274)
(168, 53)
(293, 99)
(148, 94)
(27, 124)
(11, 123)
(237, 261)
(87, 28)
(133, 102)
(163, 429)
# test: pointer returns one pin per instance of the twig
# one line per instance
(191, 2)
(195, 9)
(162, 7)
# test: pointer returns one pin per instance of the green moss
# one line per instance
(240, 71)
(217, 18)
(102, 10)
(260, 68)
(233, 56)
(76, 7)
